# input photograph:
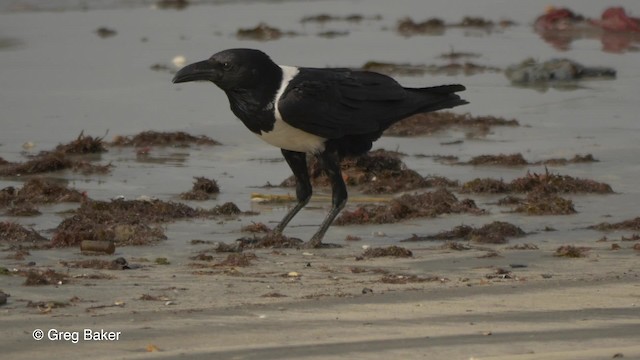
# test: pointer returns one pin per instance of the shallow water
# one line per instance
(59, 78)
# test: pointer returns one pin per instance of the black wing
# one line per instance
(333, 103)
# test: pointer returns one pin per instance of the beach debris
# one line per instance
(631, 224)
(393, 250)
(546, 182)
(262, 32)
(376, 172)
(432, 26)
(500, 273)
(411, 278)
(172, 4)
(16, 234)
(202, 256)
(430, 123)
(128, 222)
(525, 246)
(64, 156)
(273, 295)
(428, 204)
(203, 189)
(516, 159)
(43, 277)
(404, 69)
(495, 232)
(238, 260)
(324, 18)
(453, 55)
(554, 71)
(571, 251)
(162, 261)
(256, 228)
(105, 32)
(540, 203)
(115, 264)
(159, 138)
(50, 162)
(269, 240)
(436, 26)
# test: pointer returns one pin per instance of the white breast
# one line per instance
(286, 136)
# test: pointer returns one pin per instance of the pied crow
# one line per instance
(329, 113)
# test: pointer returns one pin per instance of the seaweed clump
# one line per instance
(16, 234)
(496, 232)
(429, 204)
(631, 224)
(38, 190)
(270, 240)
(395, 251)
(156, 138)
(127, 222)
(262, 32)
(44, 277)
(518, 160)
(571, 251)
(544, 183)
(377, 172)
(429, 123)
(539, 203)
(61, 158)
(203, 189)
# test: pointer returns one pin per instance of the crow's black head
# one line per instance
(231, 69)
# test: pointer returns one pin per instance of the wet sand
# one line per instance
(487, 302)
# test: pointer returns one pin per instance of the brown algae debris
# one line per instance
(631, 224)
(64, 156)
(262, 32)
(157, 138)
(238, 260)
(538, 203)
(395, 251)
(437, 26)
(496, 232)
(83, 144)
(377, 172)
(518, 160)
(127, 222)
(203, 189)
(324, 18)
(256, 228)
(571, 251)
(13, 233)
(44, 277)
(544, 183)
(430, 123)
(428, 204)
(404, 69)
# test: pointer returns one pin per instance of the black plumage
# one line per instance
(330, 113)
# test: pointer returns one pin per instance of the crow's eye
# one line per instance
(226, 66)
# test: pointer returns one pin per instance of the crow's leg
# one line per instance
(298, 163)
(330, 162)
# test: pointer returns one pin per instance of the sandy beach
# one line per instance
(564, 286)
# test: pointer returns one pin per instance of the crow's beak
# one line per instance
(202, 70)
